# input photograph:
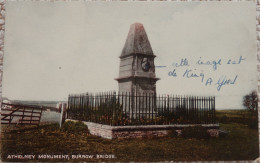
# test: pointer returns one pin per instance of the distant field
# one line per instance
(232, 113)
(37, 103)
(234, 116)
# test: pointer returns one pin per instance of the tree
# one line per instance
(250, 101)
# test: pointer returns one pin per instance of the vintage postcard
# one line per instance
(129, 81)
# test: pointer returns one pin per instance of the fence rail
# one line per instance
(141, 109)
(13, 114)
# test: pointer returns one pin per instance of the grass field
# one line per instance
(240, 144)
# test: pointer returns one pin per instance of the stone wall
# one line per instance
(103, 131)
(126, 132)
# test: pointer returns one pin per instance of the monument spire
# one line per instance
(137, 70)
(137, 41)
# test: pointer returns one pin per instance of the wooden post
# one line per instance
(63, 113)
(22, 116)
(31, 118)
(40, 116)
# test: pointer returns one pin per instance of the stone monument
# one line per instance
(137, 70)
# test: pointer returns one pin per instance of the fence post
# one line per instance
(63, 113)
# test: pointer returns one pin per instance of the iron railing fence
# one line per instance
(123, 108)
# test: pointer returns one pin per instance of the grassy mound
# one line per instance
(74, 127)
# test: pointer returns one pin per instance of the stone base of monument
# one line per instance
(145, 131)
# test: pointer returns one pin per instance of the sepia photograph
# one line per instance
(114, 81)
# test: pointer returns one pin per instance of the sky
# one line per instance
(53, 49)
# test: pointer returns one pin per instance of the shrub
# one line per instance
(250, 101)
(74, 127)
(172, 133)
(198, 132)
